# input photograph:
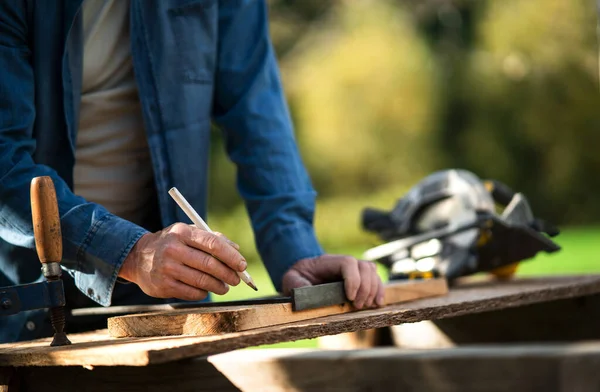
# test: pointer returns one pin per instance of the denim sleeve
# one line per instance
(251, 110)
(95, 243)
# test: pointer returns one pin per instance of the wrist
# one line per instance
(129, 266)
(286, 247)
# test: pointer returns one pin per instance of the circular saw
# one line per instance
(453, 224)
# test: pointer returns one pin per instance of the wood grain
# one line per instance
(99, 349)
(210, 321)
(46, 220)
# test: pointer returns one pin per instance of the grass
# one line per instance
(579, 255)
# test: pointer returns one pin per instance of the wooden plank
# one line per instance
(210, 321)
(569, 319)
(548, 368)
(99, 349)
(562, 320)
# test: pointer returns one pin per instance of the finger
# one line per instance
(206, 263)
(216, 246)
(374, 285)
(351, 275)
(236, 246)
(198, 279)
(203, 262)
(327, 267)
(293, 279)
(365, 285)
(380, 294)
(332, 267)
(179, 290)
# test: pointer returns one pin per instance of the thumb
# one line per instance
(293, 279)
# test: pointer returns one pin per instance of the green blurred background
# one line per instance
(382, 93)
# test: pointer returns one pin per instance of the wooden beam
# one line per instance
(562, 320)
(210, 321)
(548, 368)
(99, 349)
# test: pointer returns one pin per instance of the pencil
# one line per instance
(199, 222)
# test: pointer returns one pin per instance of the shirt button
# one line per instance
(30, 325)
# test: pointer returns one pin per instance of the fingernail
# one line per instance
(243, 264)
(380, 300)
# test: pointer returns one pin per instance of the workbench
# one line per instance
(221, 362)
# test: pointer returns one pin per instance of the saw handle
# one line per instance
(46, 220)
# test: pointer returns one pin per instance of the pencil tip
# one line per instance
(253, 286)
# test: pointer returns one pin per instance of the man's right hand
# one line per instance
(183, 262)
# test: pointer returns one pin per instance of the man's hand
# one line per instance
(183, 262)
(361, 282)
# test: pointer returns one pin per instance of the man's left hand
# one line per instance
(362, 283)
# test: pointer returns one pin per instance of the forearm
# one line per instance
(250, 108)
(95, 242)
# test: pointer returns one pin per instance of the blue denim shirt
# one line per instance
(196, 62)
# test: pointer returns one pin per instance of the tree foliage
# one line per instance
(384, 92)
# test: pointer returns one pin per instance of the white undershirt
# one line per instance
(112, 160)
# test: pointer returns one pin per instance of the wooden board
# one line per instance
(562, 320)
(569, 319)
(210, 321)
(493, 368)
(99, 349)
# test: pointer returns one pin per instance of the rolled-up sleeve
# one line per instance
(251, 110)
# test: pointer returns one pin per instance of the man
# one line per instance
(114, 100)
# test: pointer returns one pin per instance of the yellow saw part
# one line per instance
(421, 275)
(505, 272)
(489, 186)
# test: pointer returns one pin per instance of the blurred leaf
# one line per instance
(384, 92)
